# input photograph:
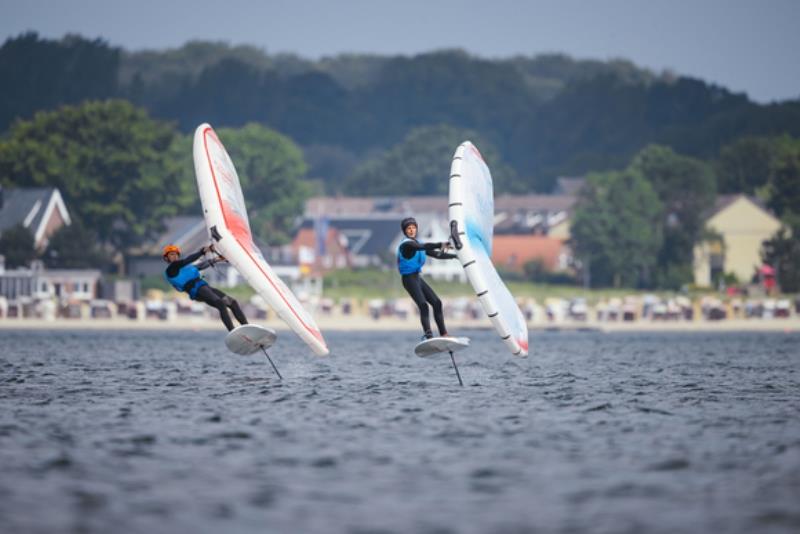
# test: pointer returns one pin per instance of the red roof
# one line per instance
(512, 252)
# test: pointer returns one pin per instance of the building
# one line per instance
(742, 224)
(318, 255)
(531, 214)
(39, 209)
(514, 214)
(512, 252)
(37, 283)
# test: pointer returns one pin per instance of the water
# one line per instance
(166, 432)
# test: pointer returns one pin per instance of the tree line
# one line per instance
(656, 149)
(545, 116)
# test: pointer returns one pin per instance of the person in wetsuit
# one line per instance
(184, 275)
(411, 255)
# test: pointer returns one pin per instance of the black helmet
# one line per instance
(408, 221)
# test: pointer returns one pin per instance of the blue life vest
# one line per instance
(188, 279)
(414, 263)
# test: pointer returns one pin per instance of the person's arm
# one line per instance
(409, 248)
(440, 254)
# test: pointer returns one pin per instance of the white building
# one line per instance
(38, 283)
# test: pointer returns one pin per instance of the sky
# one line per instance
(744, 45)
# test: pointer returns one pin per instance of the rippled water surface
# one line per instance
(167, 432)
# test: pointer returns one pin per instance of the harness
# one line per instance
(188, 279)
(414, 263)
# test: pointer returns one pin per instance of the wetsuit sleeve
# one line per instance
(409, 248)
(440, 254)
(176, 266)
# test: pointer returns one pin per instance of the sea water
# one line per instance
(162, 431)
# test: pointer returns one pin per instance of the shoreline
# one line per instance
(358, 323)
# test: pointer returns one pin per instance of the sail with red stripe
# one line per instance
(229, 227)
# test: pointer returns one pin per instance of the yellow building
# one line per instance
(743, 224)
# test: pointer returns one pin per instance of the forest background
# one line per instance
(111, 128)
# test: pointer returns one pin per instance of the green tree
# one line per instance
(271, 170)
(43, 73)
(744, 165)
(782, 252)
(109, 159)
(74, 247)
(420, 165)
(784, 180)
(18, 247)
(180, 152)
(330, 165)
(616, 229)
(686, 188)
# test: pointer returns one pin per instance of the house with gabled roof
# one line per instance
(39, 209)
(742, 224)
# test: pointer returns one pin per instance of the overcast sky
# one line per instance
(751, 46)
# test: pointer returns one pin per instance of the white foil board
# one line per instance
(437, 345)
(249, 338)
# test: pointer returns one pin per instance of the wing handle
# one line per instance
(454, 235)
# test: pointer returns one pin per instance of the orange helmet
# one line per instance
(170, 248)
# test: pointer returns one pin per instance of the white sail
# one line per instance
(471, 210)
(226, 218)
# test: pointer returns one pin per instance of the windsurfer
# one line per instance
(411, 255)
(184, 275)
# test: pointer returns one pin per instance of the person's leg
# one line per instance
(438, 314)
(207, 295)
(233, 304)
(411, 284)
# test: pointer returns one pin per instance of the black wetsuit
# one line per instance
(419, 290)
(207, 294)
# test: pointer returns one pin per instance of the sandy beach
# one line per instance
(362, 323)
